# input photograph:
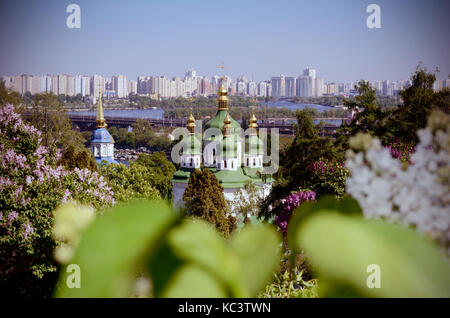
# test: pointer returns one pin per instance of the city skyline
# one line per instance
(151, 37)
(193, 84)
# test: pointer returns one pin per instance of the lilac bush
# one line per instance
(328, 177)
(400, 150)
(32, 185)
(290, 203)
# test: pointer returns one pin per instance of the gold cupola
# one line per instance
(253, 124)
(222, 98)
(226, 130)
(101, 123)
(191, 124)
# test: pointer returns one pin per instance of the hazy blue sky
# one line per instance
(256, 38)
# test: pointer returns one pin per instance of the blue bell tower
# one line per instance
(102, 143)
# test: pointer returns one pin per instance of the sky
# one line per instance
(256, 38)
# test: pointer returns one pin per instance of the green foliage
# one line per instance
(143, 135)
(204, 199)
(341, 245)
(32, 185)
(295, 162)
(328, 178)
(8, 96)
(369, 117)
(133, 182)
(71, 159)
(291, 284)
(54, 123)
(162, 171)
(419, 100)
(187, 259)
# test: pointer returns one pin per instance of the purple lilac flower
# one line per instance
(12, 216)
(28, 229)
(67, 194)
(290, 203)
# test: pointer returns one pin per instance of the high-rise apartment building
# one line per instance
(132, 87)
(319, 87)
(252, 88)
(278, 86)
(97, 84)
(262, 89)
(120, 86)
(304, 86)
(70, 85)
(290, 86)
(62, 84)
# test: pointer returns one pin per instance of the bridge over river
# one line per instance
(87, 122)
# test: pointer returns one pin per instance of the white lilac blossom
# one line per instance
(418, 196)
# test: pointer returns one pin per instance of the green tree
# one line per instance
(52, 120)
(204, 199)
(8, 96)
(129, 183)
(71, 159)
(295, 162)
(161, 172)
(419, 100)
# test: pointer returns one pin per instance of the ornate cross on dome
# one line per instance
(222, 67)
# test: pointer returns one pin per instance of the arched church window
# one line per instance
(248, 162)
(225, 163)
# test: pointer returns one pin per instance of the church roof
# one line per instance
(232, 178)
(102, 135)
(217, 121)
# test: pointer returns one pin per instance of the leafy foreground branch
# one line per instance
(188, 258)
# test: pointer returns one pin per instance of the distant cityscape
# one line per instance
(161, 87)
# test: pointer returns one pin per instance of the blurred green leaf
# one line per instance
(341, 247)
(243, 266)
(112, 247)
(197, 241)
(344, 205)
(257, 248)
(194, 282)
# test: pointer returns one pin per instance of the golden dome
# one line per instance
(191, 124)
(226, 126)
(222, 98)
(253, 124)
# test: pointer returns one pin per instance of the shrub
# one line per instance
(32, 185)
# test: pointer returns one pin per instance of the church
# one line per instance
(102, 143)
(234, 159)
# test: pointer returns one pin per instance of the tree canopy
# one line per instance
(205, 199)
